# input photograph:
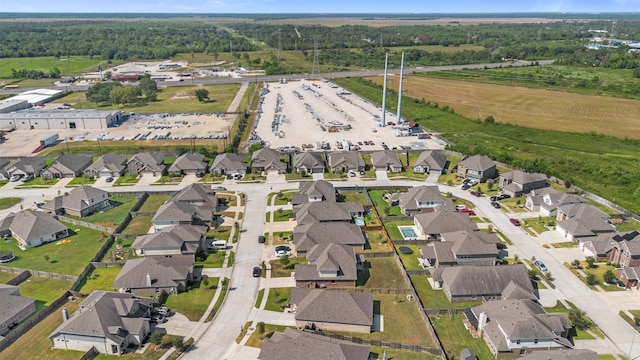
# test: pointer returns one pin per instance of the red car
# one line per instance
(468, 211)
(515, 222)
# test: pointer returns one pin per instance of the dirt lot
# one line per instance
(309, 112)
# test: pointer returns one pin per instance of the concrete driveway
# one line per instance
(275, 178)
(317, 176)
(177, 324)
(62, 183)
(381, 175)
(147, 179)
(189, 179)
(102, 182)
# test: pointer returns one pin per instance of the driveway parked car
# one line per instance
(257, 271)
(219, 188)
(158, 319)
(15, 178)
(261, 239)
(283, 248)
(109, 179)
(515, 222)
(474, 193)
(466, 186)
(495, 204)
(540, 265)
(27, 178)
(281, 253)
(504, 196)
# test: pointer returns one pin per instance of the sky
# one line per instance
(318, 6)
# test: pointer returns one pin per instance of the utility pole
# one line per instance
(400, 91)
(384, 89)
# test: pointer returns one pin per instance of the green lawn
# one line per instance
(81, 180)
(46, 290)
(153, 202)
(356, 196)
(539, 224)
(68, 65)
(282, 215)
(382, 272)
(168, 180)
(279, 270)
(256, 339)
(295, 176)
(277, 298)
(37, 183)
(218, 304)
(282, 197)
(383, 207)
(126, 180)
(455, 337)
(221, 232)
(377, 353)
(194, 302)
(281, 237)
(114, 216)
(125, 245)
(6, 203)
(138, 225)
(410, 261)
(100, 279)
(436, 299)
(392, 228)
(259, 298)
(376, 241)
(214, 260)
(68, 256)
(6, 276)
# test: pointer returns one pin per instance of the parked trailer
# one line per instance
(49, 140)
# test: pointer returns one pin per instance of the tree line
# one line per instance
(115, 93)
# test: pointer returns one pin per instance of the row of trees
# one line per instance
(115, 93)
(35, 74)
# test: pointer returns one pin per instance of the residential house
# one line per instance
(329, 266)
(516, 183)
(81, 201)
(462, 247)
(562, 354)
(629, 276)
(474, 283)
(172, 240)
(33, 228)
(430, 162)
(147, 163)
(308, 162)
(325, 211)
(188, 163)
(228, 164)
(581, 220)
(535, 198)
(341, 233)
(386, 160)
(518, 327)
(197, 194)
(26, 166)
(107, 321)
(152, 275)
(15, 308)
(477, 167)
(344, 161)
(66, 166)
(552, 200)
(267, 160)
(420, 199)
(625, 249)
(108, 165)
(332, 310)
(179, 213)
(4, 174)
(432, 224)
(301, 345)
(311, 191)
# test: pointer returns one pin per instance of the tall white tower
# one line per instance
(384, 90)
(400, 90)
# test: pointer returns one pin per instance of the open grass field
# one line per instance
(74, 65)
(194, 302)
(454, 337)
(538, 108)
(6, 203)
(35, 344)
(69, 257)
(382, 272)
(214, 260)
(44, 290)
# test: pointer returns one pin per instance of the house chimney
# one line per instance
(148, 279)
(482, 321)
(65, 314)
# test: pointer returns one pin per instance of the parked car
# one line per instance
(163, 310)
(501, 246)
(494, 198)
(15, 178)
(352, 173)
(158, 319)
(282, 253)
(261, 239)
(199, 173)
(466, 186)
(504, 196)
(540, 265)
(474, 193)
(495, 204)
(109, 179)
(515, 222)
(27, 178)
(219, 188)
(237, 176)
(460, 207)
(257, 271)
(361, 172)
(283, 248)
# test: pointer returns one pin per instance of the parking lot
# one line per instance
(309, 114)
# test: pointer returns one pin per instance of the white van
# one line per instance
(217, 244)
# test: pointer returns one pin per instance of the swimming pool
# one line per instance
(358, 221)
(408, 232)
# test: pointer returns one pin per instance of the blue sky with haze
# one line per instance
(320, 6)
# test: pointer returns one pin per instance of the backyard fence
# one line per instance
(37, 273)
(104, 265)
(417, 272)
(378, 254)
(411, 242)
(445, 311)
(381, 343)
(85, 224)
(383, 291)
(90, 354)
(20, 278)
(141, 213)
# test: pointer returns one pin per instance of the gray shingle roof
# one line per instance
(188, 162)
(521, 177)
(77, 199)
(70, 163)
(267, 158)
(198, 194)
(332, 306)
(12, 302)
(299, 345)
(442, 221)
(228, 161)
(385, 158)
(582, 219)
(482, 280)
(433, 159)
(308, 235)
(109, 162)
(30, 225)
(309, 160)
(324, 211)
(153, 161)
(165, 272)
(178, 211)
(319, 188)
(478, 162)
(458, 245)
(29, 165)
(422, 194)
(328, 259)
(348, 159)
(565, 354)
(171, 237)
(107, 314)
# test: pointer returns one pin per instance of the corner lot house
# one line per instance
(430, 162)
(420, 199)
(344, 161)
(294, 344)
(108, 321)
(309, 162)
(332, 310)
(267, 160)
(553, 199)
(477, 167)
(66, 166)
(519, 327)
(188, 163)
(228, 164)
(314, 191)
(15, 308)
(81, 201)
(516, 183)
(329, 266)
(108, 165)
(386, 160)
(179, 213)
(33, 228)
(582, 220)
(147, 163)
(152, 275)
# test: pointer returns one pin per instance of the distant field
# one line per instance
(538, 108)
(71, 65)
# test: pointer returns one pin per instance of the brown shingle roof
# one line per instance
(188, 162)
(328, 262)
(299, 345)
(165, 272)
(482, 280)
(29, 225)
(433, 159)
(332, 306)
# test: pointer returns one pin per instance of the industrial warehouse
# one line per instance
(60, 119)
